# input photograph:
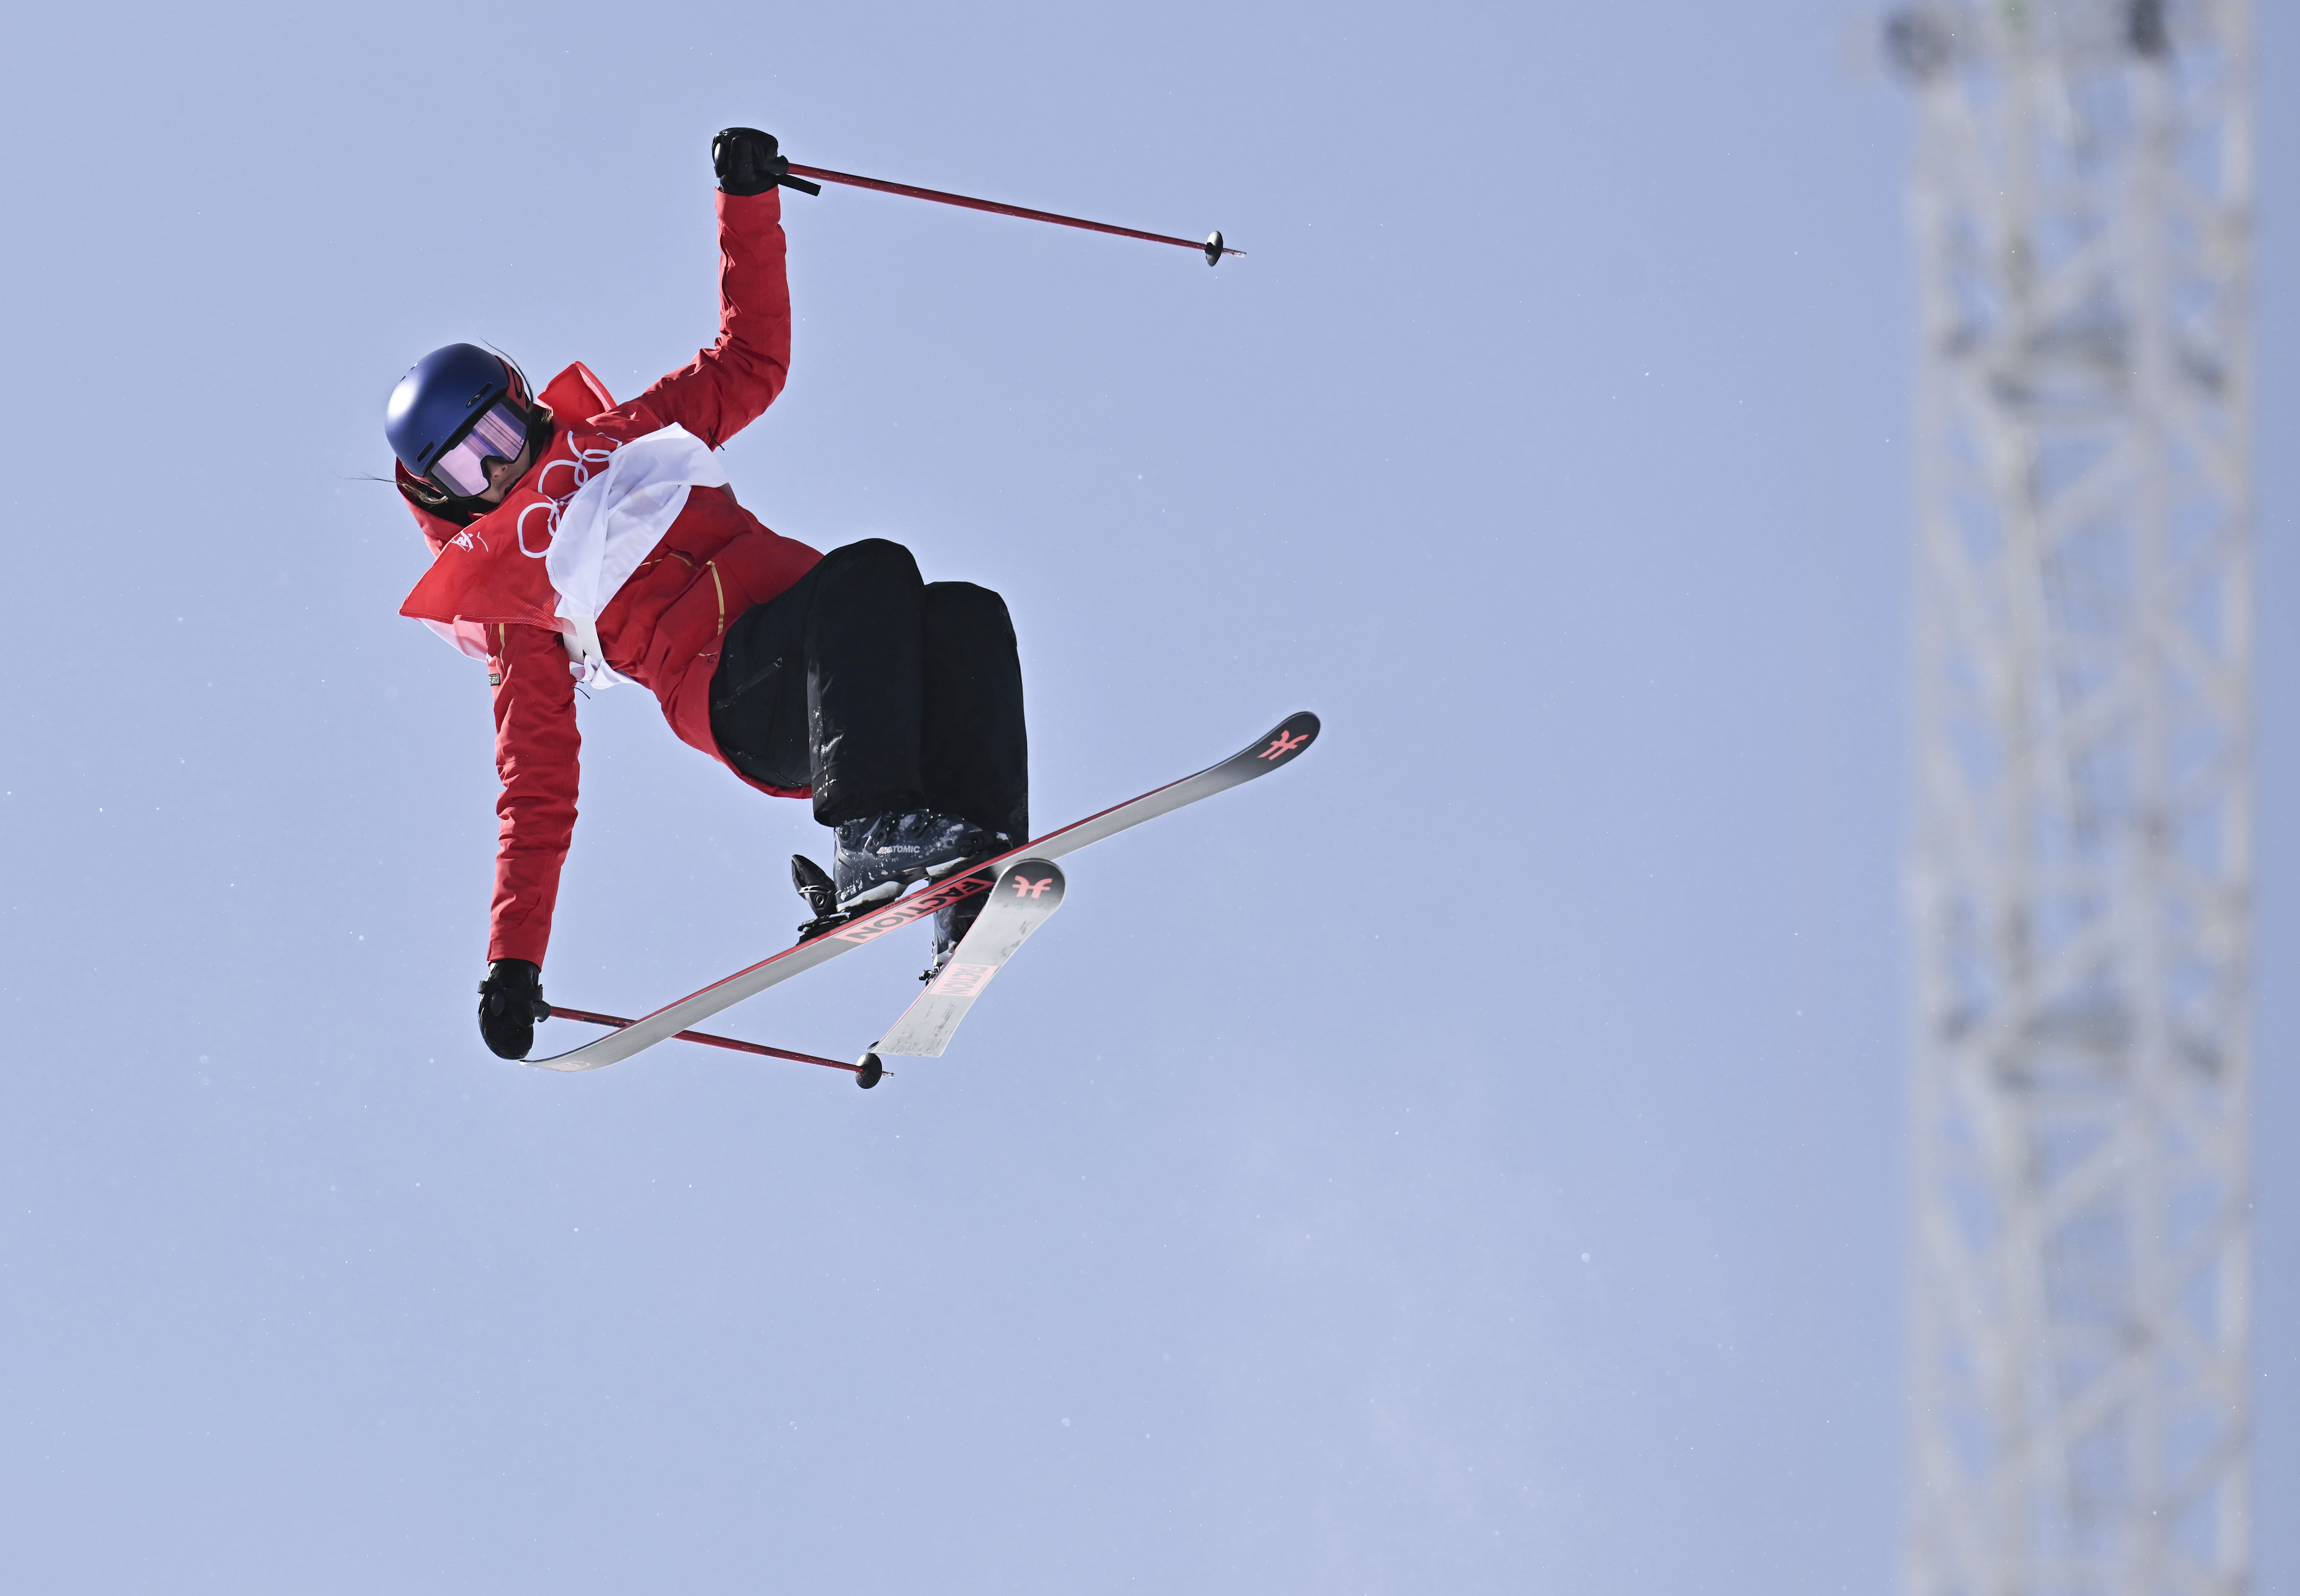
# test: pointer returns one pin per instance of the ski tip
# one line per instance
(1288, 738)
(1038, 882)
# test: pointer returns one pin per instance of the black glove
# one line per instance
(747, 161)
(511, 1001)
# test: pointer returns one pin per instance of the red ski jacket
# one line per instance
(665, 624)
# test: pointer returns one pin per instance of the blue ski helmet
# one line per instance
(458, 406)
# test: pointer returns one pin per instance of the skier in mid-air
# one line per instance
(575, 540)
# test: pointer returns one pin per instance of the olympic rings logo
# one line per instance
(579, 464)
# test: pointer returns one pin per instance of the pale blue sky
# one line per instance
(1468, 1161)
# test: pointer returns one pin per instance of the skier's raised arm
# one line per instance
(733, 381)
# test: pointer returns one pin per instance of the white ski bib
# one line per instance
(625, 498)
(613, 521)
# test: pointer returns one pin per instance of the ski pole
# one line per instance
(708, 1040)
(1214, 248)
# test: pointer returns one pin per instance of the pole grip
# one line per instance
(801, 184)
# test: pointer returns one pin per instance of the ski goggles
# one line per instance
(500, 433)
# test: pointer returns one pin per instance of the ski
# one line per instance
(1027, 895)
(1280, 746)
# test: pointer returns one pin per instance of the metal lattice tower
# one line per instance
(2079, 1415)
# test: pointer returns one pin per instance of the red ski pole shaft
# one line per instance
(708, 1040)
(1213, 249)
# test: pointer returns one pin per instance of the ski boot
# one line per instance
(879, 856)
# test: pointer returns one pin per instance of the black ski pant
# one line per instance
(880, 692)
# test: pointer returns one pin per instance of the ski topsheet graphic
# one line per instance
(1281, 746)
(1026, 896)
